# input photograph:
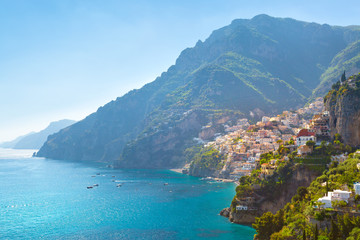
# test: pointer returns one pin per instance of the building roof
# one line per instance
(305, 133)
(326, 198)
(340, 191)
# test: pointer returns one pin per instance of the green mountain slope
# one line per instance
(249, 68)
(347, 60)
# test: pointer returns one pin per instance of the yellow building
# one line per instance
(267, 169)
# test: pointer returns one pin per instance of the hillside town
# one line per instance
(244, 142)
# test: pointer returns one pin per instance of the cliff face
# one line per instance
(271, 202)
(163, 148)
(343, 105)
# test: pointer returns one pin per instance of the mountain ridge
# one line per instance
(250, 67)
(35, 140)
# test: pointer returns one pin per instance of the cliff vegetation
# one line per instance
(304, 218)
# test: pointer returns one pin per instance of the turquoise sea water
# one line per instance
(49, 199)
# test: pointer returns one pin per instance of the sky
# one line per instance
(63, 59)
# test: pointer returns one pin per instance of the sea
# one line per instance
(50, 199)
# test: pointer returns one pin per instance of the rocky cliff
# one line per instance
(343, 104)
(261, 200)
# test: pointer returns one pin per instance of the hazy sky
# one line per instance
(65, 58)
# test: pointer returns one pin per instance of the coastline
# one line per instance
(179, 170)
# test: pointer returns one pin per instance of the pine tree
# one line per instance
(304, 234)
(343, 78)
(334, 231)
(316, 235)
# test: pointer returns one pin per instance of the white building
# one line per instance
(357, 188)
(340, 158)
(241, 208)
(339, 195)
(251, 159)
(336, 195)
(303, 136)
(326, 200)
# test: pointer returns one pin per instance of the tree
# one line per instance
(283, 150)
(264, 226)
(346, 224)
(327, 186)
(334, 231)
(268, 224)
(333, 164)
(343, 78)
(354, 234)
(336, 85)
(320, 215)
(319, 204)
(357, 198)
(304, 234)
(316, 233)
(302, 191)
(338, 204)
(338, 137)
(310, 143)
(348, 149)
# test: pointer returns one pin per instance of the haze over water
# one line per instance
(41, 198)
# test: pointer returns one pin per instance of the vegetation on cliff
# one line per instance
(282, 177)
(301, 216)
(206, 162)
(347, 87)
(269, 187)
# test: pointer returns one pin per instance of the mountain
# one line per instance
(347, 59)
(247, 69)
(35, 140)
(12, 143)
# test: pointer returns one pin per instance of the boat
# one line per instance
(118, 185)
(89, 187)
(166, 184)
(96, 185)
